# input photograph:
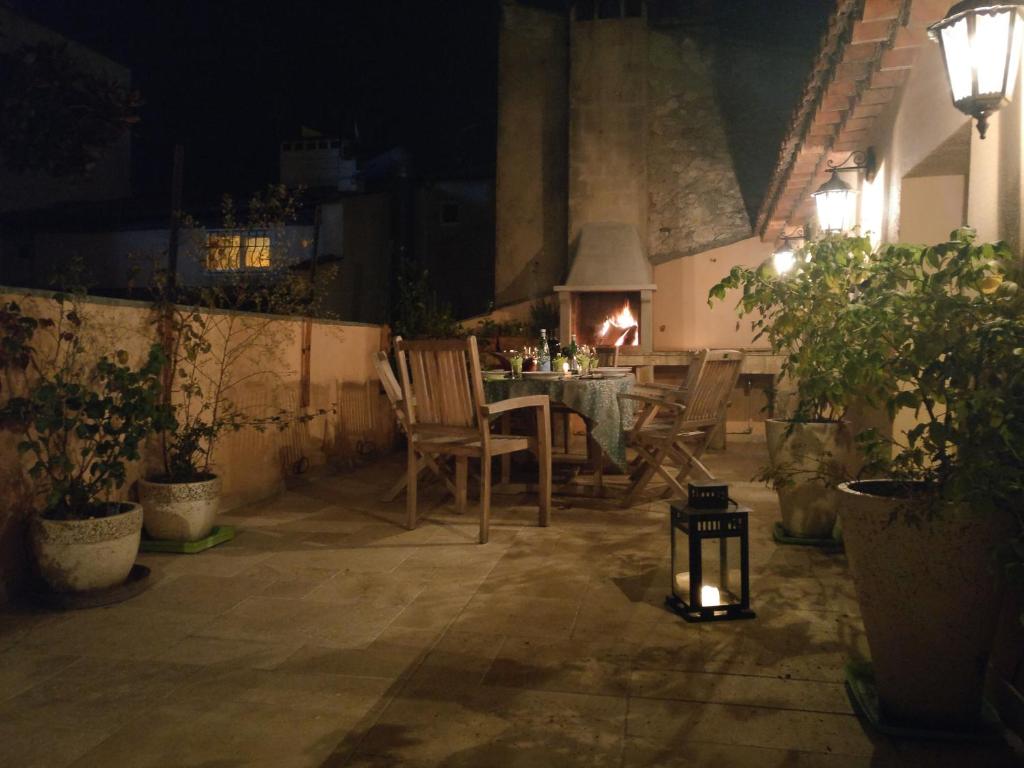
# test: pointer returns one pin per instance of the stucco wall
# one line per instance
(253, 465)
(682, 317)
(531, 186)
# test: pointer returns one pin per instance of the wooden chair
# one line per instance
(694, 413)
(394, 394)
(447, 416)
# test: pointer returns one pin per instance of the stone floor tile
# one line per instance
(374, 587)
(479, 725)
(574, 666)
(226, 733)
(214, 652)
(435, 608)
(41, 744)
(706, 755)
(521, 615)
(748, 690)
(20, 669)
(201, 594)
(659, 724)
(117, 632)
(96, 694)
(395, 652)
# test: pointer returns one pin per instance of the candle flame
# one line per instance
(710, 596)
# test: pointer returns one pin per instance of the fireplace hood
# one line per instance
(609, 257)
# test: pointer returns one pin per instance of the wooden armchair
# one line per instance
(447, 416)
(394, 394)
(693, 414)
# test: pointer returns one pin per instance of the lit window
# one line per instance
(223, 251)
(242, 250)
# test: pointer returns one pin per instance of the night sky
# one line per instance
(230, 79)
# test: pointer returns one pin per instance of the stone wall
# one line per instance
(253, 465)
(608, 125)
(694, 202)
(531, 187)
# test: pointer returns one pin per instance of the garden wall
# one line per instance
(254, 465)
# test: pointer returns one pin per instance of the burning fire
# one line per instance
(623, 322)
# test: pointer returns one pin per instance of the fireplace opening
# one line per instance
(607, 319)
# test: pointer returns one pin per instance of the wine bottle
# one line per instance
(574, 365)
(543, 353)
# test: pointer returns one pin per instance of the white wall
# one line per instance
(682, 317)
(931, 208)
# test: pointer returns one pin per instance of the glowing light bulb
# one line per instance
(783, 260)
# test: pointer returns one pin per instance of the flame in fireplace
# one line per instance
(622, 321)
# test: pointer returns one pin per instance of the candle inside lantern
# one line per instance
(565, 369)
(710, 596)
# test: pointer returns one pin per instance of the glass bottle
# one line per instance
(543, 353)
(574, 365)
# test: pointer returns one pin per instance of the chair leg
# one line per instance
(544, 463)
(412, 473)
(461, 483)
(644, 476)
(485, 498)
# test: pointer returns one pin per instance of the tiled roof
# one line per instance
(865, 57)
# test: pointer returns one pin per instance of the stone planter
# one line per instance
(928, 597)
(180, 511)
(807, 504)
(85, 555)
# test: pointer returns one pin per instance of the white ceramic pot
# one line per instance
(84, 555)
(180, 511)
(928, 597)
(807, 504)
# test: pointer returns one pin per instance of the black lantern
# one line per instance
(980, 42)
(835, 198)
(710, 557)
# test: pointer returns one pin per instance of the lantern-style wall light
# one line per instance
(980, 42)
(710, 556)
(784, 258)
(835, 198)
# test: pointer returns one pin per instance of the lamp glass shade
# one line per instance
(783, 260)
(981, 46)
(834, 202)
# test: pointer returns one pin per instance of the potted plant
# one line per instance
(80, 421)
(217, 339)
(921, 542)
(802, 314)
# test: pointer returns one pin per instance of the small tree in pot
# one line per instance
(802, 314)
(951, 321)
(218, 338)
(80, 421)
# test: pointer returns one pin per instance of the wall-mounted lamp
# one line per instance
(834, 199)
(980, 42)
(783, 259)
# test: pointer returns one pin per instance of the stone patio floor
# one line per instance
(328, 635)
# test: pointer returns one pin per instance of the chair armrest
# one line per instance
(649, 400)
(515, 403)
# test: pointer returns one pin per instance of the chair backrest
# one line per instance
(715, 380)
(387, 378)
(441, 383)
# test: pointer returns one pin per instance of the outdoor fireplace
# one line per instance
(606, 301)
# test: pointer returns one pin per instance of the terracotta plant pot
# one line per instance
(808, 505)
(180, 511)
(929, 601)
(84, 555)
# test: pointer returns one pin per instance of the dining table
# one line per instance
(595, 398)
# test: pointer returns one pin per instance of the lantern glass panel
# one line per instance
(959, 65)
(834, 209)
(783, 260)
(990, 48)
(720, 565)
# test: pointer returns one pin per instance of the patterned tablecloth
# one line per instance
(596, 399)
